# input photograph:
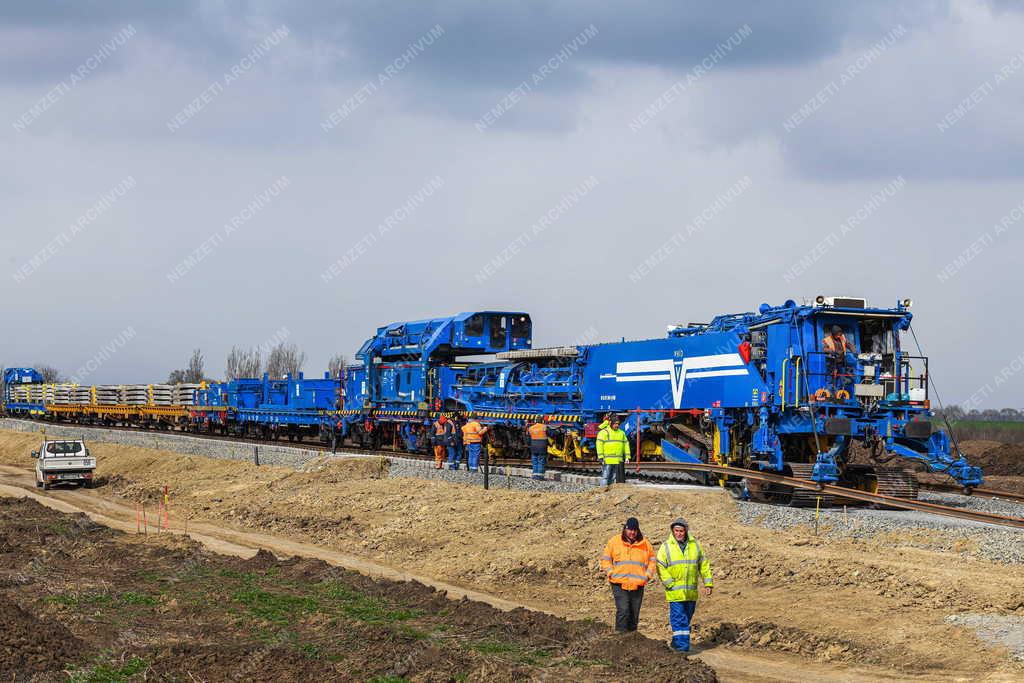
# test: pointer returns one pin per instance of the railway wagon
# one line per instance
(23, 392)
(292, 407)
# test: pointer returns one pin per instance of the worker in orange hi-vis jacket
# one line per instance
(443, 440)
(473, 436)
(628, 562)
(538, 432)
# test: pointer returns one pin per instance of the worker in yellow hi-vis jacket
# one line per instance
(613, 449)
(681, 561)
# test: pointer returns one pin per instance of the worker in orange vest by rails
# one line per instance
(473, 436)
(443, 439)
(538, 432)
(628, 561)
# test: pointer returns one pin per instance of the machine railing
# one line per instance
(882, 377)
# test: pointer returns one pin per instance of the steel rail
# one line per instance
(980, 492)
(855, 494)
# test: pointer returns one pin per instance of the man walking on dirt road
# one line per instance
(628, 562)
(681, 561)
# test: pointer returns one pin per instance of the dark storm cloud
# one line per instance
(490, 43)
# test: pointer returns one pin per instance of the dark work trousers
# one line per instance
(627, 607)
(539, 457)
(620, 473)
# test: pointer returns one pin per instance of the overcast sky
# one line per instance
(212, 173)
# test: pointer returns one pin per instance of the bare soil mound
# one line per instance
(109, 606)
(1000, 459)
(32, 644)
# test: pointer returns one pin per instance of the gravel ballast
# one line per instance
(500, 477)
(1000, 544)
(993, 629)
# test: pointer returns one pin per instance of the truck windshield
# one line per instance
(63, 448)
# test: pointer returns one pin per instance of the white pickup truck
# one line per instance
(63, 462)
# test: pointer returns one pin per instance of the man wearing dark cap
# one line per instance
(628, 563)
(835, 344)
(681, 561)
(839, 355)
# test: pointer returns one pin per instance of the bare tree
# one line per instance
(51, 375)
(243, 363)
(285, 359)
(194, 370)
(336, 364)
(192, 373)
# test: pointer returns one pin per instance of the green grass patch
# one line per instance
(311, 651)
(130, 598)
(279, 608)
(363, 608)
(86, 600)
(109, 673)
(244, 577)
(506, 650)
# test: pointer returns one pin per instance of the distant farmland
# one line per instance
(1009, 432)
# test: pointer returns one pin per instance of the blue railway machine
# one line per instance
(411, 372)
(751, 390)
(766, 391)
(292, 407)
(762, 391)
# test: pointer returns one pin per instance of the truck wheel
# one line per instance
(88, 483)
(39, 484)
(46, 486)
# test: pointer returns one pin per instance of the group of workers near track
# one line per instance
(630, 562)
(450, 439)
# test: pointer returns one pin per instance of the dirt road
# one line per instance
(788, 605)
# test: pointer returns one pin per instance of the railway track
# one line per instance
(981, 492)
(653, 469)
(854, 494)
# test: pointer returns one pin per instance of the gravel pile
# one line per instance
(964, 536)
(995, 630)
(498, 479)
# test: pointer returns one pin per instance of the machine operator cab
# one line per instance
(409, 364)
(857, 355)
(493, 332)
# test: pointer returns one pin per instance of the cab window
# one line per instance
(475, 326)
(520, 327)
(499, 331)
